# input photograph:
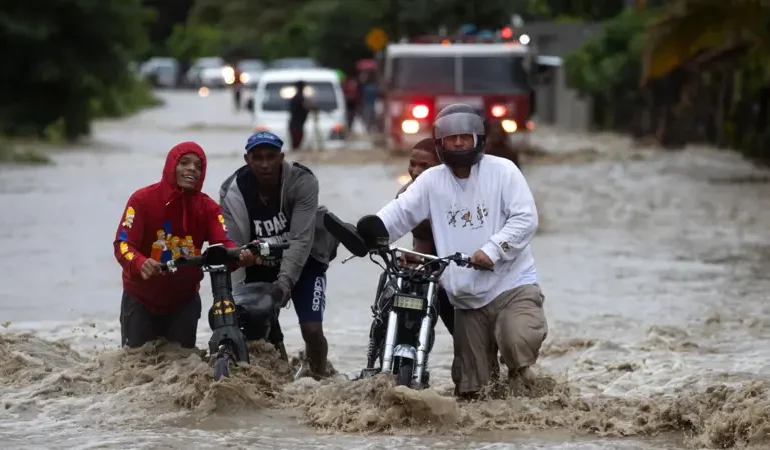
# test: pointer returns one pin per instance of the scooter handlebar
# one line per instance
(256, 247)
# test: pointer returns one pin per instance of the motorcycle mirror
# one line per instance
(346, 234)
(373, 231)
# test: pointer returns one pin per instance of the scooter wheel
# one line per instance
(405, 372)
(221, 367)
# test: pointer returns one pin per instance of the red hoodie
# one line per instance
(163, 222)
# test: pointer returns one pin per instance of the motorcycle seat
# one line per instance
(255, 301)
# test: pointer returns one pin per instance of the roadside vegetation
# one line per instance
(68, 64)
(689, 71)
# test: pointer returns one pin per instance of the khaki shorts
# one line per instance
(513, 323)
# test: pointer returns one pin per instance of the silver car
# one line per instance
(250, 70)
(160, 71)
(209, 72)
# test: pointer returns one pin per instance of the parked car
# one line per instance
(270, 105)
(293, 63)
(160, 71)
(209, 72)
(250, 70)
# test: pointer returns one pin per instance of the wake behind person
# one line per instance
(272, 200)
(480, 205)
(298, 112)
(161, 222)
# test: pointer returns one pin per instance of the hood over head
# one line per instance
(174, 155)
(170, 190)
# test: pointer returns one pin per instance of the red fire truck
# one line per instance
(420, 78)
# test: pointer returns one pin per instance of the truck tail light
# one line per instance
(420, 111)
(499, 111)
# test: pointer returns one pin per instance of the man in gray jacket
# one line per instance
(272, 200)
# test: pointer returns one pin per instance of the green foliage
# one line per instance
(123, 100)
(190, 41)
(65, 57)
(609, 63)
(21, 153)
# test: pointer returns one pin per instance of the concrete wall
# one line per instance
(556, 104)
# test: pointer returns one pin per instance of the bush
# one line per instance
(125, 100)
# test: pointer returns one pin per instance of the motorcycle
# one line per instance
(405, 310)
(233, 321)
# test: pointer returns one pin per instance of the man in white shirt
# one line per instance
(480, 205)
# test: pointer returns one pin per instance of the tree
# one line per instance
(722, 48)
(606, 68)
(65, 57)
(696, 31)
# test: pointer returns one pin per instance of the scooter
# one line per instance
(228, 317)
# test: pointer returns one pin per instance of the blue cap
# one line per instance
(264, 138)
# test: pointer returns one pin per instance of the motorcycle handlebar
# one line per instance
(458, 258)
(258, 248)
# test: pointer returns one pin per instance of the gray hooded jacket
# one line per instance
(299, 202)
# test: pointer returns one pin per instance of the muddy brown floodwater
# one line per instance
(654, 264)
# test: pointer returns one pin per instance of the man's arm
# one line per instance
(128, 237)
(216, 228)
(234, 210)
(301, 231)
(407, 210)
(522, 220)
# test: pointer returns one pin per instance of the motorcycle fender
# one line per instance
(405, 351)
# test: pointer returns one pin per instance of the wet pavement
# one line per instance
(654, 265)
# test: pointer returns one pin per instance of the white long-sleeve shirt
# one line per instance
(492, 210)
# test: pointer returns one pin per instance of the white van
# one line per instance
(270, 106)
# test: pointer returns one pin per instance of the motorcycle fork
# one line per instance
(223, 319)
(425, 328)
(390, 336)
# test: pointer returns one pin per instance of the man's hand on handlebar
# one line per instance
(247, 258)
(150, 268)
(409, 260)
(481, 259)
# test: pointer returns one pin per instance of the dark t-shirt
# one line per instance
(297, 111)
(267, 223)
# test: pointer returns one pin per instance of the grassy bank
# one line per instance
(21, 152)
(116, 103)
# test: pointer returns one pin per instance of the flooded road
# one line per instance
(654, 265)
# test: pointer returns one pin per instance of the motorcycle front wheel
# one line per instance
(222, 365)
(405, 372)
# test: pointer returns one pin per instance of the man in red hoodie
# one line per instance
(161, 222)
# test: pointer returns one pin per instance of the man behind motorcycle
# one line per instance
(272, 200)
(424, 157)
(480, 205)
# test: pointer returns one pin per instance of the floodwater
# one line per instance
(654, 264)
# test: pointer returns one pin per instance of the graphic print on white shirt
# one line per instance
(467, 216)
(492, 211)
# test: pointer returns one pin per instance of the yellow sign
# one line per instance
(376, 39)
